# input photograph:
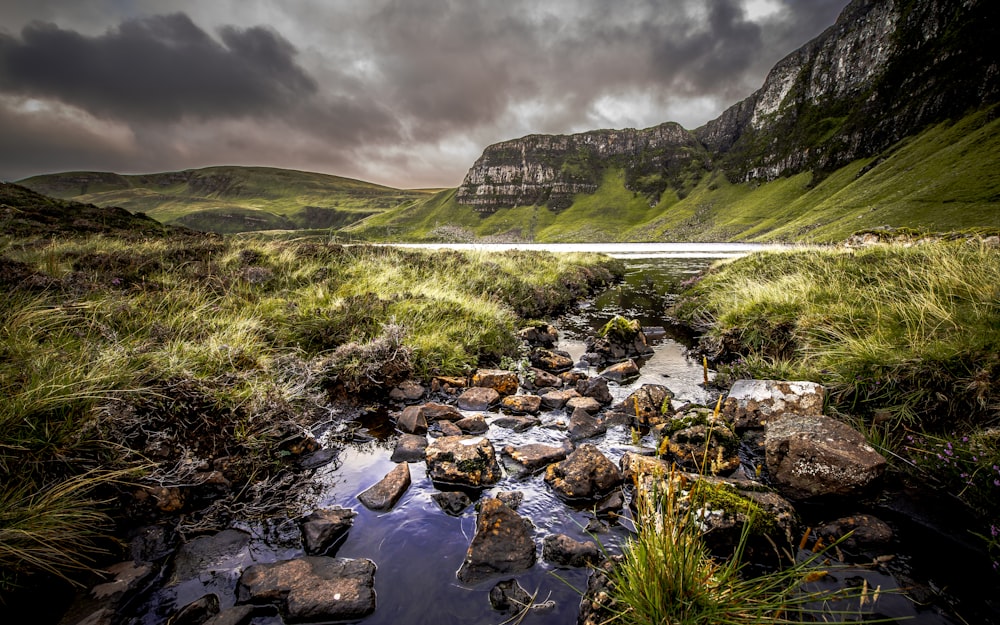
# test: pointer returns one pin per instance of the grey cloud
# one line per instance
(157, 68)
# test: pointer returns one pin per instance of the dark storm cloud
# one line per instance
(157, 68)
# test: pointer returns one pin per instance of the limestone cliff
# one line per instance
(885, 70)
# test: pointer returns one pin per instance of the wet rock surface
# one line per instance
(563, 550)
(584, 474)
(313, 588)
(383, 495)
(462, 460)
(323, 528)
(503, 544)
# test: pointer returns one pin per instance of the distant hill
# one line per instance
(888, 118)
(230, 199)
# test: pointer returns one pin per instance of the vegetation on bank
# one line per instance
(132, 365)
(906, 339)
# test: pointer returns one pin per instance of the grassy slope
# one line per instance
(169, 197)
(946, 178)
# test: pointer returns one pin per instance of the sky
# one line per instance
(405, 93)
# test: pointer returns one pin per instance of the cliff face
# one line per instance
(551, 169)
(883, 71)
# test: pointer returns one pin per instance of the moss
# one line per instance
(620, 329)
(722, 496)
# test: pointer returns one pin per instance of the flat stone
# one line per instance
(584, 474)
(433, 411)
(462, 460)
(476, 424)
(503, 544)
(535, 456)
(561, 550)
(448, 428)
(478, 398)
(323, 528)
(583, 425)
(384, 494)
(518, 423)
(412, 420)
(554, 400)
(313, 588)
(127, 577)
(205, 554)
(521, 404)
(596, 388)
(502, 381)
(588, 404)
(410, 448)
(816, 456)
(544, 379)
(754, 403)
(621, 371)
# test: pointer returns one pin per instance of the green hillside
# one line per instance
(230, 199)
(945, 178)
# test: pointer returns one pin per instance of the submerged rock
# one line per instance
(453, 502)
(384, 495)
(816, 456)
(313, 588)
(584, 474)
(462, 460)
(862, 532)
(503, 544)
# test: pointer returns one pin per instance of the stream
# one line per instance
(418, 548)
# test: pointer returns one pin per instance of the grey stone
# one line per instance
(554, 400)
(503, 544)
(410, 448)
(621, 371)
(584, 474)
(534, 456)
(412, 421)
(323, 528)
(452, 502)
(313, 588)
(588, 404)
(521, 404)
(562, 550)
(462, 460)
(755, 403)
(384, 494)
(475, 424)
(478, 398)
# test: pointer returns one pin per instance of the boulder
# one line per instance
(584, 474)
(544, 379)
(434, 411)
(587, 404)
(462, 460)
(453, 502)
(554, 400)
(534, 456)
(313, 588)
(561, 550)
(596, 388)
(517, 423)
(511, 498)
(509, 596)
(542, 335)
(553, 361)
(521, 404)
(410, 448)
(649, 404)
(412, 420)
(501, 381)
(583, 425)
(621, 371)
(407, 391)
(816, 456)
(704, 449)
(503, 544)
(570, 378)
(475, 424)
(448, 384)
(323, 528)
(477, 399)
(384, 494)
(619, 339)
(754, 403)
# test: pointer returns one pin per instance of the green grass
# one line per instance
(125, 354)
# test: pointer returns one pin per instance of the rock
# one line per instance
(462, 460)
(754, 403)
(534, 456)
(511, 498)
(554, 400)
(503, 544)
(319, 458)
(583, 425)
(205, 554)
(448, 384)
(611, 505)
(407, 391)
(621, 371)
(584, 474)
(384, 495)
(313, 588)
(543, 379)
(410, 448)
(649, 404)
(478, 399)
(654, 333)
(236, 615)
(452, 502)
(128, 577)
(501, 381)
(553, 361)
(475, 424)
(542, 335)
(561, 550)
(587, 404)
(866, 532)
(412, 420)
(816, 456)
(448, 428)
(613, 417)
(509, 596)
(197, 612)
(596, 388)
(570, 378)
(521, 404)
(323, 528)
(440, 412)
(517, 423)
(719, 454)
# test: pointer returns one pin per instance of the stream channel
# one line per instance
(418, 548)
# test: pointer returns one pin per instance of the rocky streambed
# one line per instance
(470, 500)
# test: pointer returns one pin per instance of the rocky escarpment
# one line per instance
(885, 70)
(551, 169)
